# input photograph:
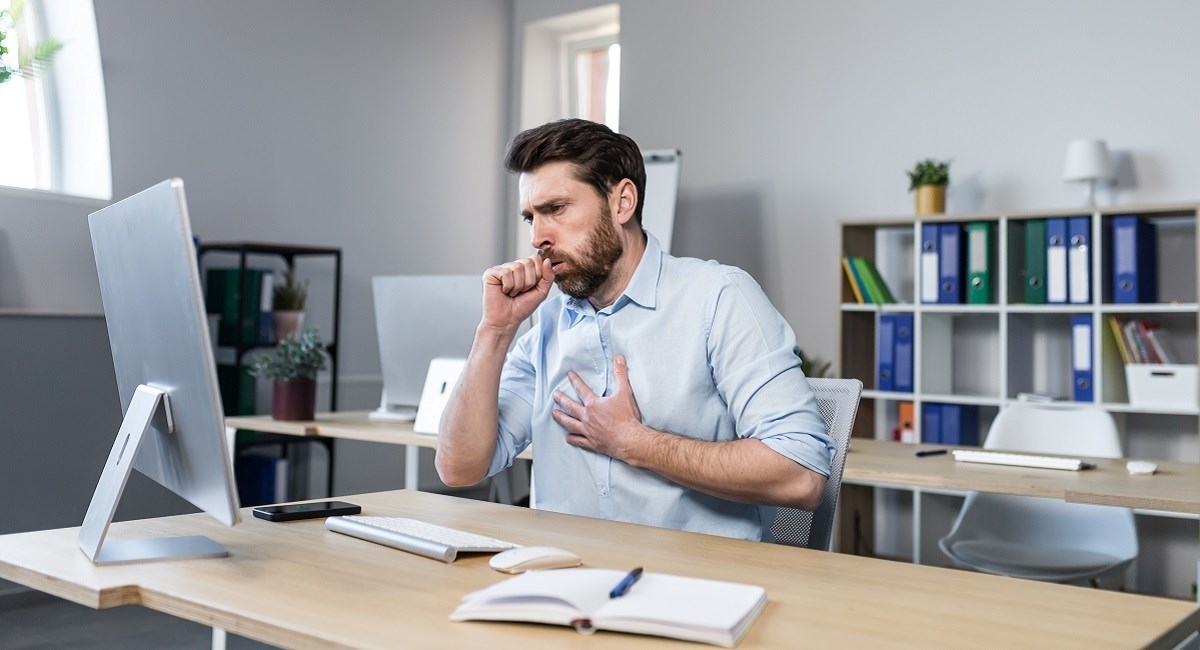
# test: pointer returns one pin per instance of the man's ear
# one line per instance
(624, 197)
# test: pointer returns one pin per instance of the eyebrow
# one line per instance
(545, 205)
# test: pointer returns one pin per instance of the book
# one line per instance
(852, 280)
(691, 609)
(876, 279)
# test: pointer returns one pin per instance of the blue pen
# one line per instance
(623, 586)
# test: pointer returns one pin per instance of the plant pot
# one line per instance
(288, 324)
(294, 399)
(931, 199)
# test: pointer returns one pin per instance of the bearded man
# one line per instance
(656, 390)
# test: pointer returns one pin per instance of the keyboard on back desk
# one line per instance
(1020, 460)
(414, 536)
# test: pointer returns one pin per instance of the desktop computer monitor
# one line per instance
(419, 318)
(173, 428)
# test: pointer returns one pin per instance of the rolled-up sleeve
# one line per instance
(757, 371)
(515, 417)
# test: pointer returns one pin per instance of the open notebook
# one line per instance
(692, 609)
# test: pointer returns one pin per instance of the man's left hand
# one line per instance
(607, 425)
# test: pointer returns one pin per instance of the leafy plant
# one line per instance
(31, 59)
(810, 368)
(929, 172)
(292, 358)
(292, 294)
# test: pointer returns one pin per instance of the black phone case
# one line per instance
(348, 509)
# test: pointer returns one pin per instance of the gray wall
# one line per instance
(375, 126)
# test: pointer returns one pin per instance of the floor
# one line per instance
(45, 622)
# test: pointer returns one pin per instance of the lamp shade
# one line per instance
(1087, 160)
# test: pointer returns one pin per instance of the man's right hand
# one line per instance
(511, 292)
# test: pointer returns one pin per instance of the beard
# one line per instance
(583, 274)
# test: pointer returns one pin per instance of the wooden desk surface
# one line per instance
(1176, 486)
(348, 425)
(297, 584)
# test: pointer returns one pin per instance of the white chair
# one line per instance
(838, 401)
(1041, 538)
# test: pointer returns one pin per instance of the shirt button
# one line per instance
(601, 490)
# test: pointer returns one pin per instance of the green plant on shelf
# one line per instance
(929, 172)
(292, 294)
(292, 358)
(813, 367)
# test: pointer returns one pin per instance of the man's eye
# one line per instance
(527, 219)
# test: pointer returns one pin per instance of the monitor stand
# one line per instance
(390, 412)
(149, 406)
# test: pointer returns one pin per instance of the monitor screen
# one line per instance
(420, 318)
(154, 308)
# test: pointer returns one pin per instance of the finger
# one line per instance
(581, 389)
(580, 441)
(567, 422)
(572, 408)
(516, 279)
(532, 269)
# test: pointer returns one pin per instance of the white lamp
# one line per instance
(1087, 160)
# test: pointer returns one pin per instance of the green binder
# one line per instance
(981, 256)
(1035, 261)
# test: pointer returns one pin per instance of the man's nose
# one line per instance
(540, 236)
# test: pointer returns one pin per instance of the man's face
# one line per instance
(572, 227)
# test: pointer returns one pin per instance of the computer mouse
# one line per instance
(527, 558)
(1141, 467)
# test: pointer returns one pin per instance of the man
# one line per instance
(657, 390)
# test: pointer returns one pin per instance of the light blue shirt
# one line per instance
(709, 358)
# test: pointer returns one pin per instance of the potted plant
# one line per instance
(293, 365)
(288, 304)
(929, 179)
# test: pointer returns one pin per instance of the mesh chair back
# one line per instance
(838, 401)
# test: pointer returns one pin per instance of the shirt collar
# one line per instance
(642, 288)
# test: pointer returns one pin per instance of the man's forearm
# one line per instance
(467, 434)
(743, 470)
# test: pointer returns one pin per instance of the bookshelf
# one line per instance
(242, 253)
(987, 355)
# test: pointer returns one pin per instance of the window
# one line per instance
(54, 129)
(25, 162)
(594, 79)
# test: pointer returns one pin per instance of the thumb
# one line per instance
(547, 277)
(621, 368)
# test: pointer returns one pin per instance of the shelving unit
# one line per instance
(988, 354)
(289, 255)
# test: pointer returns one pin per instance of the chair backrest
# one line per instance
(838, 401)
(1083, 431)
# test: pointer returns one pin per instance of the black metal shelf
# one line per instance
(288, 253)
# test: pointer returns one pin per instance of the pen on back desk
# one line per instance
(623, 586)
(930, 452)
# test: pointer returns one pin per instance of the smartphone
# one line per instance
(314, 510)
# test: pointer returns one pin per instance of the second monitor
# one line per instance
(419, 318)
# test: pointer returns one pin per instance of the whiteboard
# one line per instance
(662, 190)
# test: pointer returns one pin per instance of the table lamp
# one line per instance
(1087, 160)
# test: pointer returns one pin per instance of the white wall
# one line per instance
(794, 115)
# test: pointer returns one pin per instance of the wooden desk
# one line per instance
(353, 425)
(879, 463)
(297, 584)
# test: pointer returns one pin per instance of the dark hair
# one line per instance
(601, 157)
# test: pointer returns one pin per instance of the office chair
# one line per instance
(1041, 538)
(838, 401)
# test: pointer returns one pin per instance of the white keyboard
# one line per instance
(430, 540)
(1020, 460)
